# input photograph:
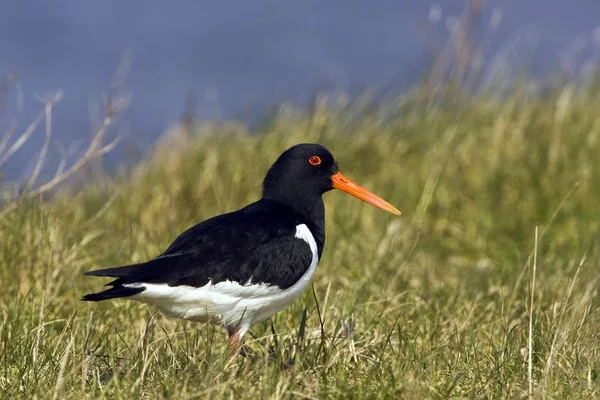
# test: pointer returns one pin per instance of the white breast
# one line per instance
(229, 303)
(280, 300)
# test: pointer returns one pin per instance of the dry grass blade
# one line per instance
(530, 337)
(63, 365)
(21, 140)
(49, 102)
(5, 87)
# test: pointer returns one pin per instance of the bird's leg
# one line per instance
(235, 343)
(234, 337)
(234, 340)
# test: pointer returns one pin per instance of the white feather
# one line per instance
(229, 303)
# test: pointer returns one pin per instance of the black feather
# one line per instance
(150, 270)
(112, 293)
(256, 243)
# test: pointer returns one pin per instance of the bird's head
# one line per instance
(306, 170)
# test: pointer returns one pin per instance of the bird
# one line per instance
(240, 268)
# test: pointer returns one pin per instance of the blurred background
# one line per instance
(234, 59)
(123, 123)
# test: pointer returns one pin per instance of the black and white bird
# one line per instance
(240, 268)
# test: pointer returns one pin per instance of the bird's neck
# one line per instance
(311, 210)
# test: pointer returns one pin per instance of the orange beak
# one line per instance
(346, 185)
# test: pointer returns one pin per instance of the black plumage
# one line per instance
(253, 245)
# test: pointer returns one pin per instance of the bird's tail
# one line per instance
(128, 278)
(113, 293)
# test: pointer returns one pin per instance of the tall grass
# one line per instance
(437, 303)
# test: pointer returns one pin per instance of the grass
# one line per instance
(438, 303)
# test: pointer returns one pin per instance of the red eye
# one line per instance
(315, 160)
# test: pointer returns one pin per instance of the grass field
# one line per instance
(485, 287)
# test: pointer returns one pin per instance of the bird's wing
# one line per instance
(254, 245)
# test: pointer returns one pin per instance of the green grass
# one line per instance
(433, 304)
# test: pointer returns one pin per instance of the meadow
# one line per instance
(485, 287)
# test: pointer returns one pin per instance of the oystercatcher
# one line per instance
(241, 268)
